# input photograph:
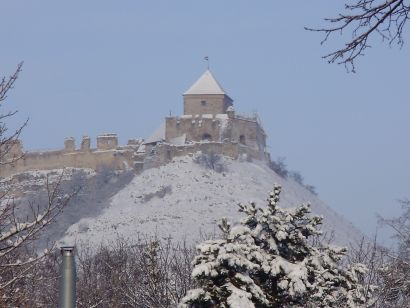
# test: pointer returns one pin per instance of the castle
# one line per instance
(209, 124)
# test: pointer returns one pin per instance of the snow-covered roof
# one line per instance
(158, 135)
(206, 84)
(180, 140)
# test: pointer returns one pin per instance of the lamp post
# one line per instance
(67, 296)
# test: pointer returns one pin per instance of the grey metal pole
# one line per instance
(67, 296)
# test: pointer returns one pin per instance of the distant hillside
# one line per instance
(185, 200)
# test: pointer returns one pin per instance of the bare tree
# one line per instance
(20, 225)
(149, 274)
(142, 273)
(8, 140)
(395, 284)
(280, 167)
(364, 19)
(388, 269)
(210, 160)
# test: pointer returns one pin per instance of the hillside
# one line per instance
(184, 200)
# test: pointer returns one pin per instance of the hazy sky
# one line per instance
(120, 66)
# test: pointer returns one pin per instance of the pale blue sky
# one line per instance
(121, 66)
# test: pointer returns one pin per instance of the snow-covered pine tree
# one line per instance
(267, 261)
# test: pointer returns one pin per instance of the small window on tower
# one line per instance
(203, 103)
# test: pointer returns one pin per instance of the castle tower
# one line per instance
(206, 96)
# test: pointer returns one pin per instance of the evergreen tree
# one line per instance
(267, 261)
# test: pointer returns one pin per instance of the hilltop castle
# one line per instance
(209, 124)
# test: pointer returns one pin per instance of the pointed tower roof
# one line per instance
(206, 84)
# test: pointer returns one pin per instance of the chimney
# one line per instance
(67, 296)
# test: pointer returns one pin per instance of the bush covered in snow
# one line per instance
(267, 261)
(394, 285)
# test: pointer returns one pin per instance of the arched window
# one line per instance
(207, 137)
(242, 139)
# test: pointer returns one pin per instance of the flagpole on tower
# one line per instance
(207, 61)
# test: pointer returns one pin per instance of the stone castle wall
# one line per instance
(163, 153)
(127, 157)
(106, 155)
(226, 134)
(247, 132)
(60, 159)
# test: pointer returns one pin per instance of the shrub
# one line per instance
(279, 167)
(210, 161)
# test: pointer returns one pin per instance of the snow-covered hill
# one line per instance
(185, 201)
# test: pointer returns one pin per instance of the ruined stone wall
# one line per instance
(206, 104)
(163, 153)
(126, 157)
(107, 155)
(60, 159)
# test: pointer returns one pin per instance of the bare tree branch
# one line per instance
(364, 18)
(19, 259)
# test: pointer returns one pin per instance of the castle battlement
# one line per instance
(107, 154)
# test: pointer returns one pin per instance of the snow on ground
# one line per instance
(184, 201)
(40, 177)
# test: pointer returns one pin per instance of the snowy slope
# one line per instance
(184, 201)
